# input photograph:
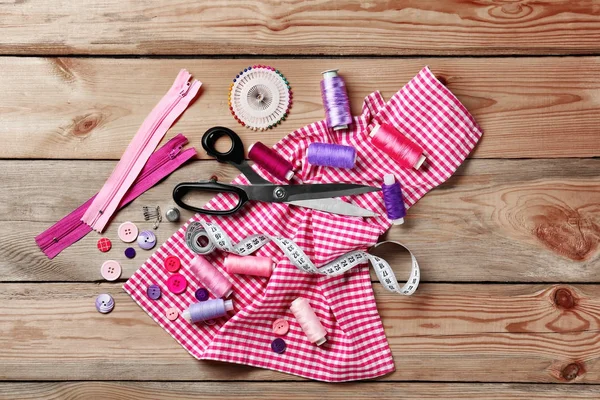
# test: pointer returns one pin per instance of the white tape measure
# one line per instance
(204, 237)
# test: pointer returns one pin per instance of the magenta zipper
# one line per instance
(137, 153)
(70, 229)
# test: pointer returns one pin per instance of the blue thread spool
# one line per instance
(206, 310)
(331, 155)
(393, 199)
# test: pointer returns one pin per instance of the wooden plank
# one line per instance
(530, 220)
(447, 332)
(91, 108)
(299, 27)
(292, 390)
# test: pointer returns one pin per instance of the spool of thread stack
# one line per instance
(271, 161)
(393, 199)
(249, 265)
(331, 155)
(335, 100)
(207, 310)
(211, 277)
(308, 320)
(405, 152)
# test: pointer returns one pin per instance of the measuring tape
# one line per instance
(204, 237)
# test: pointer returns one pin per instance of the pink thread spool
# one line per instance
(271, 161)
(249, 265)
(210, 277)
(405, 152)
(308, 320)
(207, 310)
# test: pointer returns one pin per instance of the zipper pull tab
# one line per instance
(173, 153)
(185, 89)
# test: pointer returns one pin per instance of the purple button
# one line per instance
(130, 252)
(104, 303)
(278, 345)
(201, 294)
(146, 240)
(154, 292)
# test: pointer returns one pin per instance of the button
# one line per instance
(146, 240)
(104, 244)
(172, 264)
(111, 270)
(127, 232)
(153, 292)
(130, 252)
(172, 314)
(105, 303)
(201, 294)
(281, 327)
(172, 214)
(278, 345)
(177, 283)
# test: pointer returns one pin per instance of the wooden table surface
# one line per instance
(509, 305)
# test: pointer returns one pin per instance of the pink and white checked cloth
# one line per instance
(356, 348)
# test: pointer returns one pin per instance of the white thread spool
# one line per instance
(308, 320)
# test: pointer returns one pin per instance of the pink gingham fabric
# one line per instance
(356, 347)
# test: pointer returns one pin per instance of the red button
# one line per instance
(172, 264)
(104, 244)
(177, 283)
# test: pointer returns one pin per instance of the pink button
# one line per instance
(127, 232)
(172, 264)
(111, 270)
(281, 327)
(177, 283)
(172, 314)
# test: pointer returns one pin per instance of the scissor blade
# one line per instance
(335, 206)
(326, 190)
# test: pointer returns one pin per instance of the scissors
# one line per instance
(315, 196)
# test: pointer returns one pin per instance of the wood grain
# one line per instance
(295, 390)
(319, 27)
(490, 333)
(530, 220)
(91, 108)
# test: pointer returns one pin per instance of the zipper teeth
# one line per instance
(158, 165)
(180, 95)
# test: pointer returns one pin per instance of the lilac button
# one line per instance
(201, 294)
(153, 292)
(278, 345)
(130, 252)
(104, 303)
(146, 240)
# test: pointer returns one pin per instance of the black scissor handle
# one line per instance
(209, 186)
(234, 155)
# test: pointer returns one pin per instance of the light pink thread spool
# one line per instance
(249, 265)
(308, 320)
(211, 277)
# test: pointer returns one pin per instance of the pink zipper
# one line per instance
(153, 129)
(71, 228)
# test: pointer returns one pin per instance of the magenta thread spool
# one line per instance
(335, 100)
(207, 310)
(308, 321)
(271, 161)
(393, 199)
(249, 265)
(331, 155)
(401, 149)
(211, 277)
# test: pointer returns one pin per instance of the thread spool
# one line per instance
(405, 152)
(207, 310)
(271, 161)
(393, 199)
(331, 155)
(335, 100)
(308, 320)
(211, 277)
(249, 265)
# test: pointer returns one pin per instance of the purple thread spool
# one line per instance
(335, 100)
(331, 155)
(393, 199)
(206, 310)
